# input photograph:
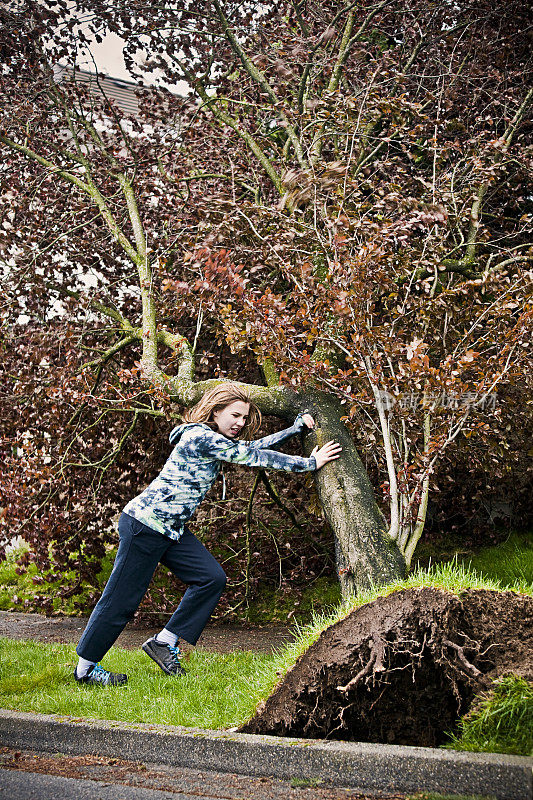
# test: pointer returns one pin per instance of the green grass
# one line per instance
(305, 783)
(437, 796)
(219, 691)
(510, 562)
(18, 591)
(501, 721)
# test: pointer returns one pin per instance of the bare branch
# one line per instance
(259, 77)
(226, 119)
(276, 498)
(408, 548)
(503, 143)
(394, 528)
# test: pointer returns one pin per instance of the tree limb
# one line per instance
(115, 348)
(475, 211)
(344, 50)
(44, 162)
(106, 311)
(224, 118)
(259, 77)
(277, 499)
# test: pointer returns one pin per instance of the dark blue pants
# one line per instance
(140, 550)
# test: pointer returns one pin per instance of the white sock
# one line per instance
(167, 637)
(83, 667)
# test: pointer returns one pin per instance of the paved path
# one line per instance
(217, 638)
(22, 786)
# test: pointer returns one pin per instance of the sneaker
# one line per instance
(98, 676)
(164, 655)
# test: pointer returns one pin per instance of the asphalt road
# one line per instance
(28, 786)
(32, 775)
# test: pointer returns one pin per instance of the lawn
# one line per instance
(217, 692)
(509, 562)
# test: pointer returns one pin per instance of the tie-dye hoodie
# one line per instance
(171, 499)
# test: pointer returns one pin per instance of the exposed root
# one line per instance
(360, 675)
(470, 668)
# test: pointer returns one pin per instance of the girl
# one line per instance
(153, 528)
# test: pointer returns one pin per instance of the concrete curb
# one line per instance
(361, 766)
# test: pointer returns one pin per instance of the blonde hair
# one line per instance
(218, 398)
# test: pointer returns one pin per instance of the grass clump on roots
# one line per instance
(452, 576)
(501, 721)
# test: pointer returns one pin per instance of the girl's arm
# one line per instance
(214, 445)
(280, 436)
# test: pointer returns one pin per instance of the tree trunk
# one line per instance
(365, 555)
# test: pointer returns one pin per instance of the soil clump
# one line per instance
(402, 669)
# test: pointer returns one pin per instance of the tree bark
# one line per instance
(365, 554)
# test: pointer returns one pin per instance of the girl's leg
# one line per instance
(189, 560)
(138, 554)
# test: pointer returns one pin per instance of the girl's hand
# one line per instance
(329, 452)
(308, 420)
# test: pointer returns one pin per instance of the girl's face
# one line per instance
(231, 419)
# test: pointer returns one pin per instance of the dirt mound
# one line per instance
(402, 669)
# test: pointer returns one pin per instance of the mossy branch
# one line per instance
(109, 353)
(44, 162)
(259, 77)
(226, 119)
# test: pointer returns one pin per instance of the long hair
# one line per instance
(218, 398)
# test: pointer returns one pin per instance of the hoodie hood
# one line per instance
(177, 432)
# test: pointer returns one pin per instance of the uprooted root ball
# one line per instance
(403, 668)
